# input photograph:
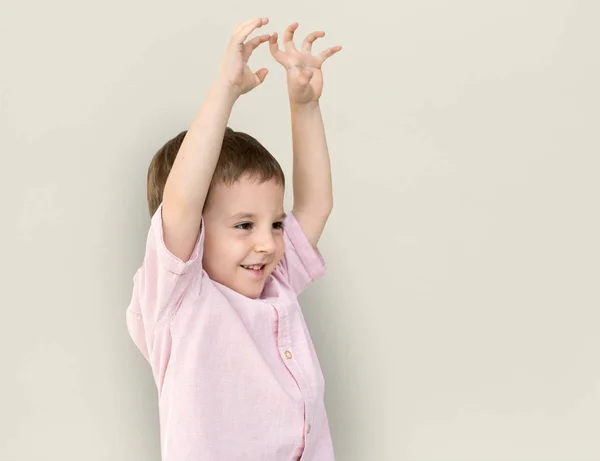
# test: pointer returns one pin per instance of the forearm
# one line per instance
(312, 170)
(192, 171)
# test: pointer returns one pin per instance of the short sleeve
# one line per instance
(160, 283)
(301, 263)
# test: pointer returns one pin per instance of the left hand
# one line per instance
(304, 76)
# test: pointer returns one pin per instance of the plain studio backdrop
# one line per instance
(459, 318)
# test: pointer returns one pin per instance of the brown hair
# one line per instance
(240, 154)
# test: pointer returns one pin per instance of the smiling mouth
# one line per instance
(255, 268)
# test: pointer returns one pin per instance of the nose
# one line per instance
(265, 242)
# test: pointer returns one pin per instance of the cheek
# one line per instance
(234, 249)
(219, 249)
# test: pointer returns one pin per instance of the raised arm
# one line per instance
(313, 197)
(188, 182)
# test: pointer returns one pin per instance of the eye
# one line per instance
(244, 226)
(278, 225)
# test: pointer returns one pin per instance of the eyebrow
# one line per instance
(248, 215)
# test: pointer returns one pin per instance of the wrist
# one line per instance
(223, 88)
(301, 107)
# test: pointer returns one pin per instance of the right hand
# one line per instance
(235, 71)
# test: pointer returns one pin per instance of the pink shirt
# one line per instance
(237, 378)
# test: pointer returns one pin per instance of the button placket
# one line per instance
(287, 352)
(284, 340)
(283, 331)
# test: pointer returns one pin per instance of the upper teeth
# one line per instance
(255, 267)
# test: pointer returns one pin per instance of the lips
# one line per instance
(257, 271)
(255, 267)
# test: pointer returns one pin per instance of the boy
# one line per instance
(214, 307)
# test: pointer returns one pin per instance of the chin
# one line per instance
(254, 294)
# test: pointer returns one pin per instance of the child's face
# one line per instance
(232, 240)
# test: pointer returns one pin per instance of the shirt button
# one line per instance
(308, 429)
(288, 354)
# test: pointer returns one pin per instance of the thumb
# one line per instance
(305, 77)
(261, 75)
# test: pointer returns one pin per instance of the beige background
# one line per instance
(459, 319)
